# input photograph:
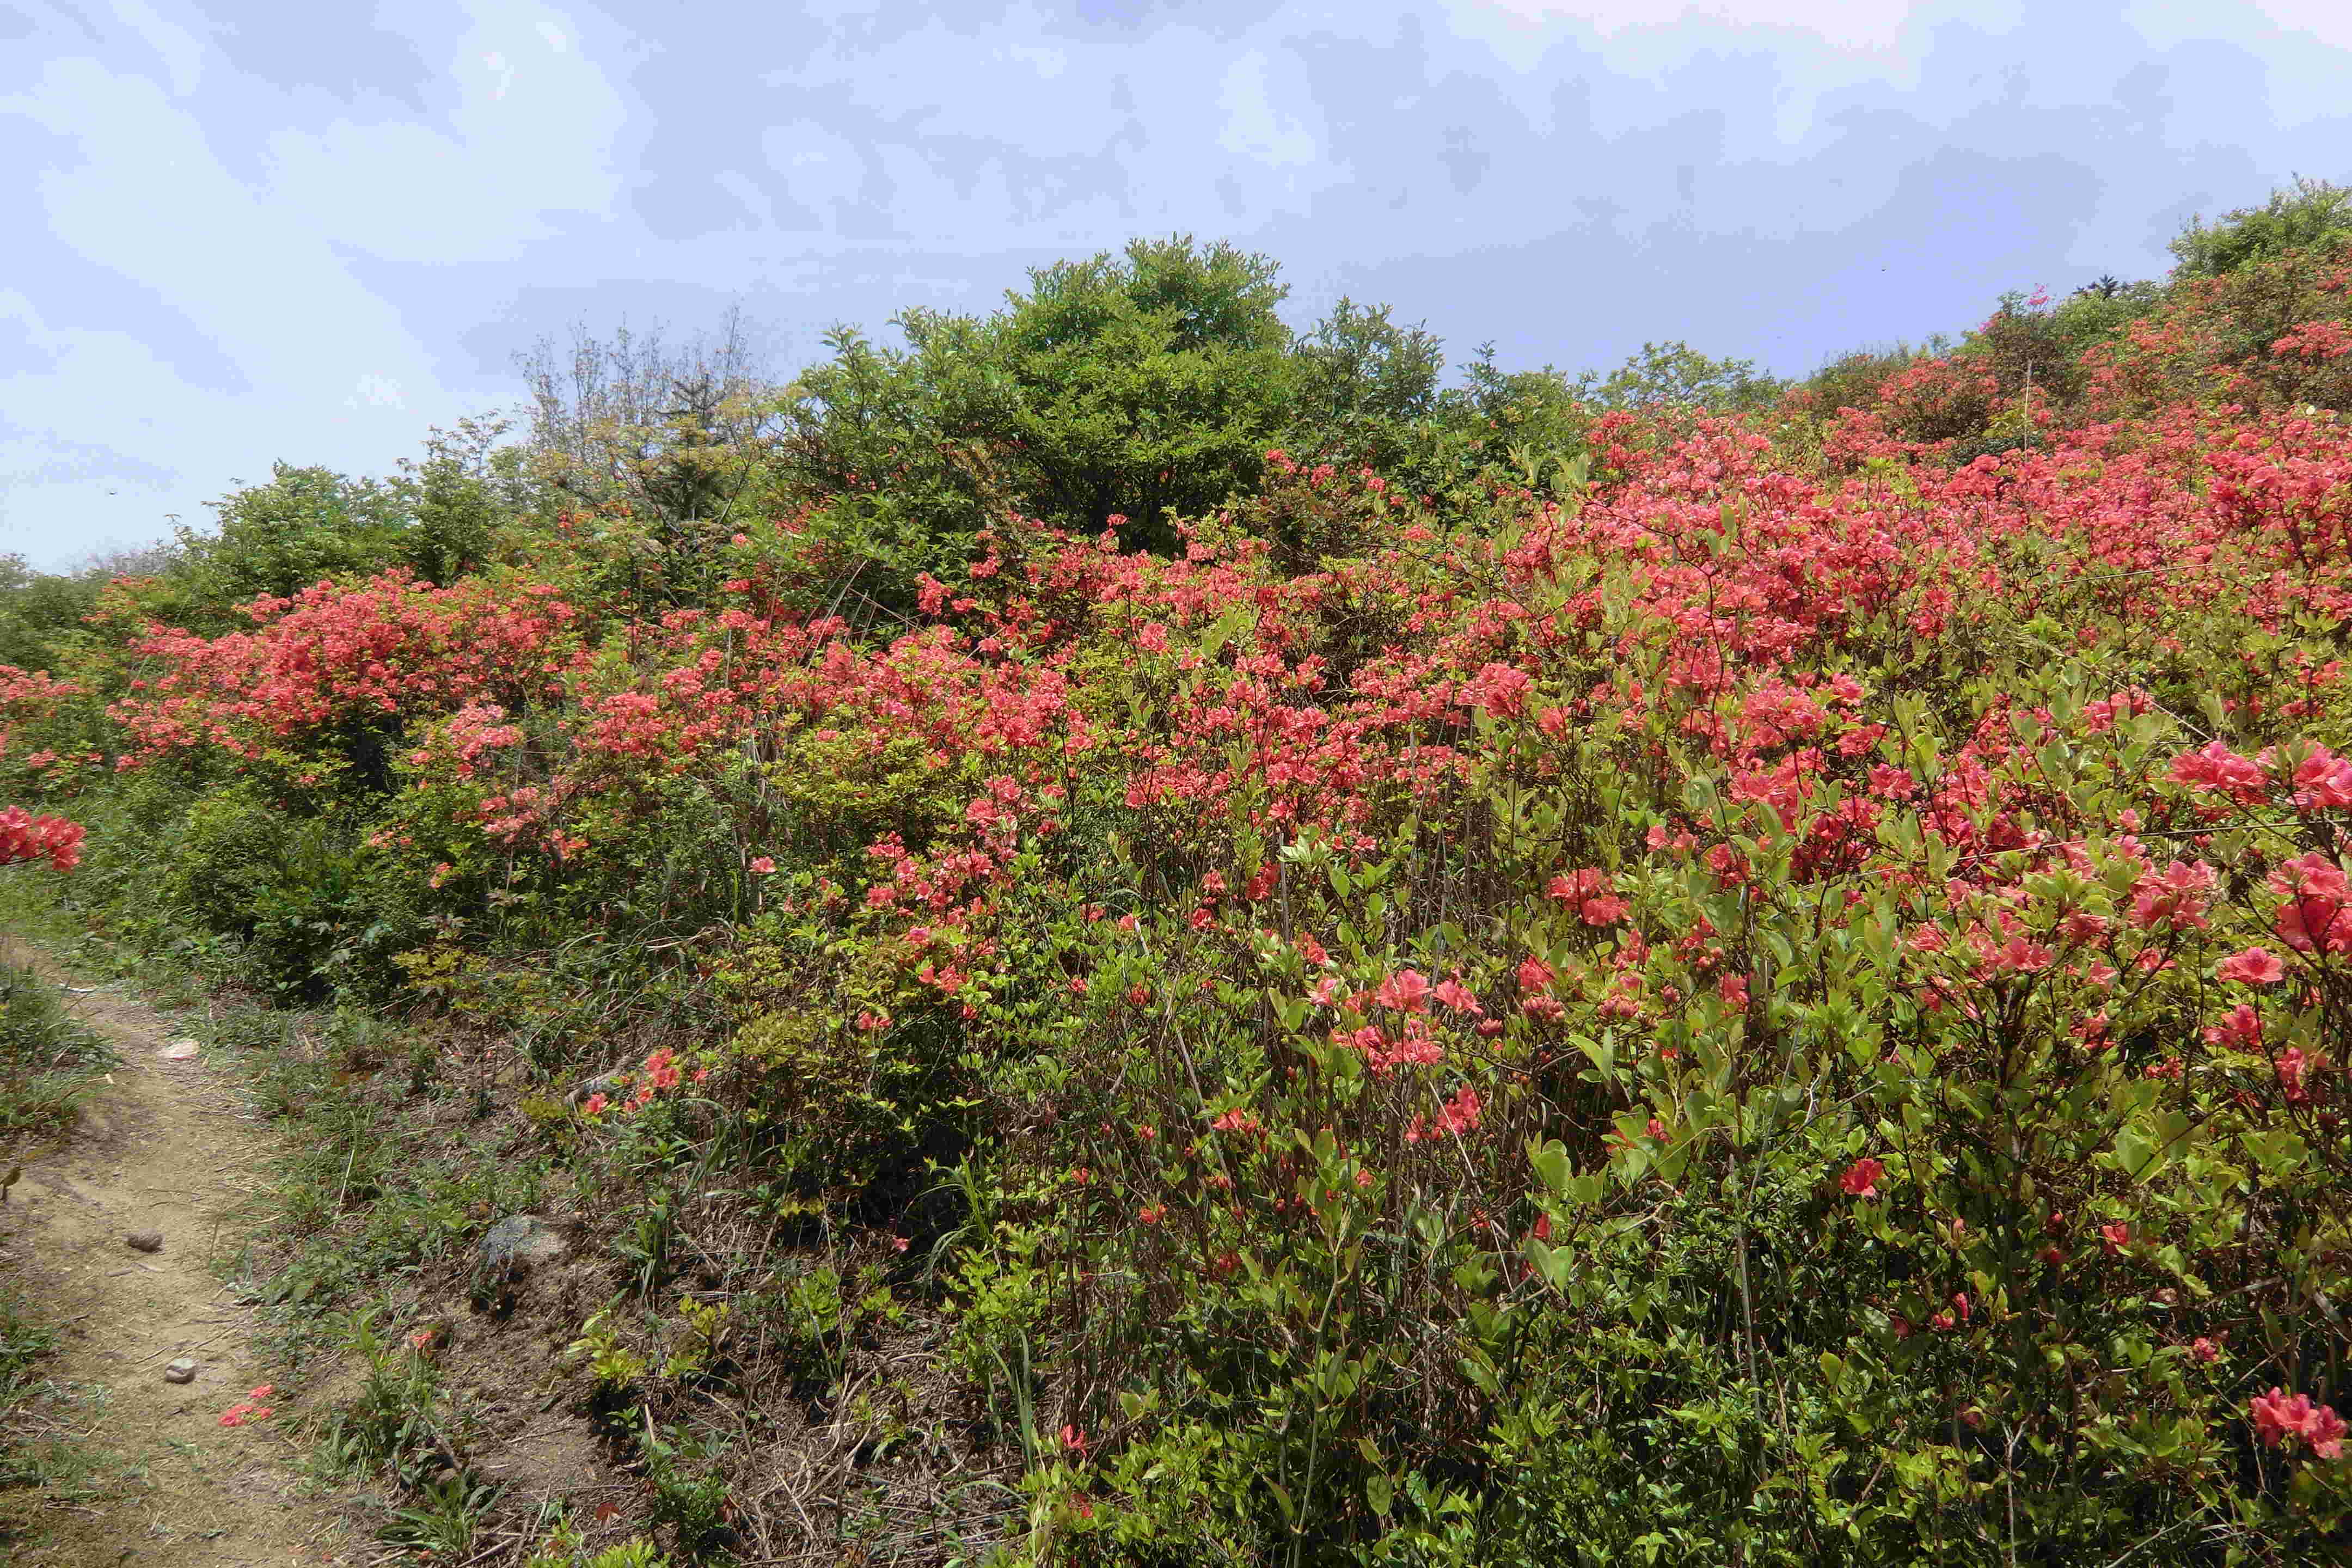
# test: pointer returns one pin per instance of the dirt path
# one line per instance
(165, 1148)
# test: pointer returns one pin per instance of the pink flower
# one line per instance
(2277, 1417)
(1456, 995)
(2018, 955)
(2292, 1069)
(1406, 991)
(1534, 974)
(2322, 780)
(1461, 1114)
(1456, 1116)
(2255, 966)
(1861, 1178)
(2217, 768)
(2315, 917)
(762, 866)
(2241, 1028)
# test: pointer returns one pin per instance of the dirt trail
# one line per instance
(167, 1147)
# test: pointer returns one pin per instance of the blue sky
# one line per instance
(240, 232)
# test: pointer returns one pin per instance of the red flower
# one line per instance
(1861, 1178)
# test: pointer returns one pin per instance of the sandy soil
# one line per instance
(165, 1147)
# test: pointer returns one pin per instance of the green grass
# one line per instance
(48, 1061)
(43, 1432)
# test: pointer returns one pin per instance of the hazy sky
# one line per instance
(236, 232)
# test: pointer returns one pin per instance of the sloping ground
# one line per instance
(164, 1484)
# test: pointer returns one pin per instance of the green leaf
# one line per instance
(1552, 1167)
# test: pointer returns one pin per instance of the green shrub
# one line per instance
(292, 888)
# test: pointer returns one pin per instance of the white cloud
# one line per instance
(823, 173)
(1254, 127)
(2329, 21)
(182, 53)
(2305, 48)
(1849, 25)
(532, 134)
(375, 392)
(147, 198)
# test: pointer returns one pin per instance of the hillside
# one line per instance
(1122, 937)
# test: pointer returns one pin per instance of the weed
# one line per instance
(48, 1061)
(394, 1424)
(445, 1518)
(45, 1429)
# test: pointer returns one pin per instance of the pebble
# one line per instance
(180, 1370)
(145, 1241)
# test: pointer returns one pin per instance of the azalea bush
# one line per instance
(1769, 989)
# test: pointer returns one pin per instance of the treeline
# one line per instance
(1150, 385)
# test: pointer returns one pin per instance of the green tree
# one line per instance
(278, 538)
(666, 444)
(1675, 375)
(1365, 385)
(468, 486)
(1132, 386)
(2311, 215)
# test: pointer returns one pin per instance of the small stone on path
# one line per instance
(179, 1050)
(180, 1370)
(145, 1241)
